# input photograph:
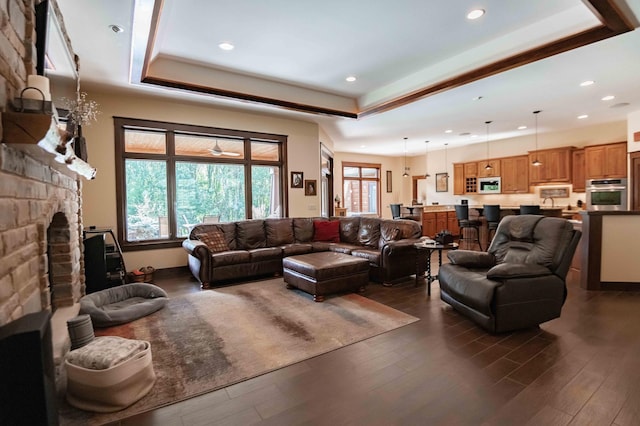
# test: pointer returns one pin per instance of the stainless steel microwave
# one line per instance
(489, 185)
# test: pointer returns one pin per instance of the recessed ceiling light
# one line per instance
(608, 98)
(363, 146)
(522, 127)
(475, 14)
(225, 45)
(448, 131)
(116, 28)
(583, 116)
(474, 136)
(587, 83)
(351, 78)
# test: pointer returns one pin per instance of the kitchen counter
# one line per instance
(608, 250)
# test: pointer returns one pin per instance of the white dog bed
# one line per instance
(109, 374)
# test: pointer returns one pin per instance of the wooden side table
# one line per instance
(429, 249)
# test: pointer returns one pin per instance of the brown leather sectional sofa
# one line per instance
(257, 247)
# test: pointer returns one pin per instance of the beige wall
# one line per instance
(633, 126)
(99, 195)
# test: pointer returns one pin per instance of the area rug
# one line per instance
(207, 340)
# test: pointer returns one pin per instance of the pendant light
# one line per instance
(406, 169)
(426, 159)
(488, 166)
(536, 162)
(446, 166)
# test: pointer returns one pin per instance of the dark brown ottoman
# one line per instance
(324, 273)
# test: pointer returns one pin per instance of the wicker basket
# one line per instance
(142, 275)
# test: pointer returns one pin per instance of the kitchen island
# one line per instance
(439, 217)
(608, 250)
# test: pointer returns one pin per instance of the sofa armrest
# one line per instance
(196, 248)
(471, 259)
(506, 271)
(397, 247)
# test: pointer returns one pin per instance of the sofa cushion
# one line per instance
(349, 230)
(250, 234)
(303, 229)
(214, 239)
(326, 230)
(388, 233)
(267, 253)
(232, 257)
(279, 232)
(369, 232)
(296, 248)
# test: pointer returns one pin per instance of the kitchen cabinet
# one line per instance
(555, 167)
(458, 179)
(578, 171)
(493, 171)
(441, 221)
(606, 161)
(515, 174)
(429, 224)
(470, 170)
(452, 220)
(434, 222)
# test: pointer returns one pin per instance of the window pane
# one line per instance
(204, 189)
(369, 197)
(369, 173)
(267, 151)
(352, 195)
(351, 171)
(265, 192)
(205, 146)
(146, 200)
(145, 142)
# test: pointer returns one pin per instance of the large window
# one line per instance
(171, 177)
(361, 188)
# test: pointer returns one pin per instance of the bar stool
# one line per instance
(462, 214)
(529, 209)
(492, 215)
(395, 210)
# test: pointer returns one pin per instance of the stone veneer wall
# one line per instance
(40, 205)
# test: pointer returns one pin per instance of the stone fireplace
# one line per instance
(41, 262)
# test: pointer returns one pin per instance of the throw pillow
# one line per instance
(326, 230)
(214, 239)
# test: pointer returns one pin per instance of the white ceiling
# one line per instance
(301, 51)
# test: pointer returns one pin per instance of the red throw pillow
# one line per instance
(326, 230)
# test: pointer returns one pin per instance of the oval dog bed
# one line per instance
(122, 304)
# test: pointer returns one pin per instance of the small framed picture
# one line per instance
(442, 182)
(389, 182)
(296, 179)
(310, 187)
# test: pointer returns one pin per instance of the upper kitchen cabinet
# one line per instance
(458, 179)
(555, 167)
(494, 170)
(578, 174)
(515, 174)
(606, 161)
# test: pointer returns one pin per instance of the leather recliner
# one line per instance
(520, 281)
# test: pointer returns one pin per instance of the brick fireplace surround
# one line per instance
(41, 261)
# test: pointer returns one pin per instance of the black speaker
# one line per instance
(27, 373)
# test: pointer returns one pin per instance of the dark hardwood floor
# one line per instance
(580, 369)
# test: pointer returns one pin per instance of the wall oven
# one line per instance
(606, 194)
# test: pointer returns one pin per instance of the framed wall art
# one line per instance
(296, 179)
(442, 182)
(310, 187)
(389, 182)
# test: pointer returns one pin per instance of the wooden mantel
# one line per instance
(39, 136)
